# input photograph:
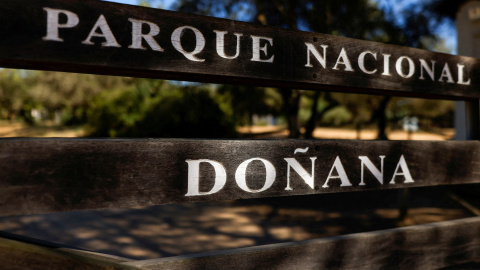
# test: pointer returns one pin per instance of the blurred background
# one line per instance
(52, 104)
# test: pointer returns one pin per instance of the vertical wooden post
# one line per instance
(472, 120)
(467, 113)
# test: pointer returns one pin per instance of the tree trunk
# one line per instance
(291, 104)
(358, 129)
(317, 116)
(311, 124)
(379, 114)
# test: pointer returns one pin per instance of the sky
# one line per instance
(130, 2)
(445, 31)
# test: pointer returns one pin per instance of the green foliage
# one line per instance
(362, 19)
(423, 108)
(337, 116)
(13, 93)
(56, 90)
(115, 106)
(304, 113)
(68, 95)
(360, 106)
(113, 113)
(118, 106)
(191, 115)
(241, 102)
(141, 111)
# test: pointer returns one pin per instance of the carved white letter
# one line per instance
(378, 174)
(221, 44)
(342, 175)
(430, 71)
(460, 75)
(137, 35)
(386, 65)
(321, 58)
(194, 177)
(240, 175)
(200, 43)
(345, 61)
(361, 62)
(308, 178)
(256, 49)
(53, 18)
(405, 171)
(411, 67)
(446, 74)
(105, 32)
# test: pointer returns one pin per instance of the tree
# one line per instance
(317, 115)
(12, 93)
(427, 110)
(437, 11)
(68, 93)
(244, 102)
(331, 17)
(362, 19)
(115, 112)
(154, 108)
(192, 114)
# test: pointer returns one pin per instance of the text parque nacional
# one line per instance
(317, 56)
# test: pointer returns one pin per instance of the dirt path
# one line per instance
(17, 129)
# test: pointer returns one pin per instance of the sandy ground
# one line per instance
(16, 129)
(347, 134)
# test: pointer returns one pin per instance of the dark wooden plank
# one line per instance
(100, 37)
(429, 246)
(20, 255)
(47, 245)
(45, 175)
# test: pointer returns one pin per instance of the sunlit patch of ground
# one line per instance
(348, 134)
(19, 129)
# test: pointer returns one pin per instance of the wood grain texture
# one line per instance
(48, 175)
(24, 43)
(429, 246)
(20, 255)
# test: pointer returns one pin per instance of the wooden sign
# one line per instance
(425, 246)
(44, 175)
(100, 37)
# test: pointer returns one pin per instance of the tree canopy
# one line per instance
(362, 19)
(114, 106)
